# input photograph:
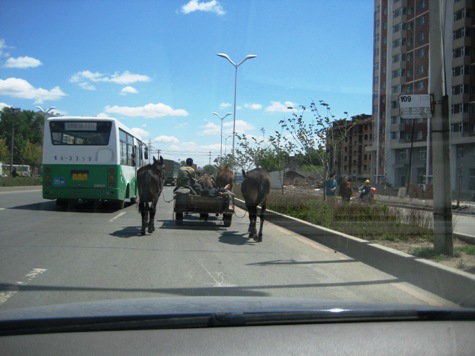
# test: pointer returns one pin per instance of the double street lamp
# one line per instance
(224, 55)
(221, 118)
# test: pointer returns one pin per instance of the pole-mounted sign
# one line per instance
(414, 106)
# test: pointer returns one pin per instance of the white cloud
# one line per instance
(128, 90)
(253, 106)
(210, 6)
(22, 62)
(4, 105)
(277, 106)
(166, 139)
(20, 88)
(3, 47)
(224, 105)
(148, 111)
(140, 132)
(86, 77)
(212, 129)
(241, 127)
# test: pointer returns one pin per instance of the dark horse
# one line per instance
(255, 188)
(150, 180)
(224, 178)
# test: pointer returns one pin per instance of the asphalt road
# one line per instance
(49, 256)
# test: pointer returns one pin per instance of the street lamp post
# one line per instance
(221, 118)
(236, 66)
(225, 143)
(13, 139)
(46, 113)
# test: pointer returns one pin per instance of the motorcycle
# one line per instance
(367, 198)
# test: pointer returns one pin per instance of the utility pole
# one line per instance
(149, 150)
(443, 229)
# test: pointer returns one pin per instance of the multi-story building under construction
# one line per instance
(401, 148)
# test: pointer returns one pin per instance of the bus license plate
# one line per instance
(80, 175)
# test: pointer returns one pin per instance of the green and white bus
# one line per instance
(91, 159)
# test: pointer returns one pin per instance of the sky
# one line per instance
(152, 64)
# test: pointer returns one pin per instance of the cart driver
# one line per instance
(187, 176)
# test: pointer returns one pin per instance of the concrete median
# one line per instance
(449, 283)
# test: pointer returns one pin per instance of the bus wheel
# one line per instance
(62, 203)
(133, 200)
(120, 204)
(179, 218)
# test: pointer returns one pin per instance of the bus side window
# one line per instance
(133, 155)
(146, 152)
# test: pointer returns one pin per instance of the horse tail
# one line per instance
(244, 173)
(145, 195)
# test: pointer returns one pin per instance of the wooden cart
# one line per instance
(187, 203)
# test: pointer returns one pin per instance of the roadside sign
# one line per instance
(414, 106)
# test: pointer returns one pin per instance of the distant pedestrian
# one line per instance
(346, 190)
(14, 173)
(330, 188)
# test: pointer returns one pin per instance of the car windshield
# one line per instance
(261, 149)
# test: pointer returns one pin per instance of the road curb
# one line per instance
(448, 283)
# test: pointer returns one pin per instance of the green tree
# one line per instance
(23, 126)
(4, 151)
(210, 169)
(31, 153)
(251, 151)
(314, 140)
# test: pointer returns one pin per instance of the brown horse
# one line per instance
(255, 188)
(206, 181)
(150, 180)
(225, 178)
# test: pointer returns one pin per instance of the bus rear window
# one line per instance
(83, 133)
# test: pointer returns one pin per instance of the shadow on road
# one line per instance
(79, 207)
(127, 232)
(235, 238)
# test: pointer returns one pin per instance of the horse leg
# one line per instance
(143, 207)
(262, 218)
(252, 221)
(151, 222)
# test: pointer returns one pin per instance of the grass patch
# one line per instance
(20, 181)
(430, 254)
(369, 222)
(469, 250)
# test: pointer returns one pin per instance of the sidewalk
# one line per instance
(466, 207)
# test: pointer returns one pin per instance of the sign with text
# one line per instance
(414, 106)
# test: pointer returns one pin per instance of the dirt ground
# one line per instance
(464, 262)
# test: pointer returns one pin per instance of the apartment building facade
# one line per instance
(401, 147)
(347, 146)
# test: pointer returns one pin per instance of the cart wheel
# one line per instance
(227, 218)
(179, 218)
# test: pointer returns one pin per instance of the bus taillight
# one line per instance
(48, 170)
(111, 177)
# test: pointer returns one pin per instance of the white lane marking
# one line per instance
(117, 216)
(219, 280)
(12, 290)
(2, 208)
